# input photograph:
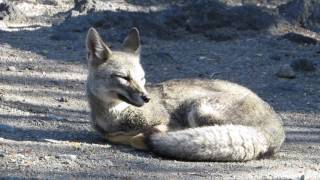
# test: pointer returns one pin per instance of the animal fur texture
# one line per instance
(188, 119)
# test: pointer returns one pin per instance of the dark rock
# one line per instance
(286, 71)
(303, 65)
(63, 99)
(9, 12)
(299, 38)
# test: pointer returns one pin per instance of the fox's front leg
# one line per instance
(139, 141)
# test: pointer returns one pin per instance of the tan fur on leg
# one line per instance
(138, 142)
(120, 137)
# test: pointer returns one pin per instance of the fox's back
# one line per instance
(174, 92)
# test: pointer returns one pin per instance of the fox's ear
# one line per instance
(98, 51)
(132, 42)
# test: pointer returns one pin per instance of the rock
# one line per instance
(286, 71)
(299, 38)
(2, 155)
(11, 68)
(63, 99)
(303, 65)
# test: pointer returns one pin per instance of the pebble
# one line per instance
(286, 71)
(2, 155)
(11, 68)
(63, 99)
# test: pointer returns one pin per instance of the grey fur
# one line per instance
(206, 119)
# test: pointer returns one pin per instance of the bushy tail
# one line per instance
(211, 143)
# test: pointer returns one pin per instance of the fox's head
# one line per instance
(116, 75)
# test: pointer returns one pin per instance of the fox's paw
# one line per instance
(138, 142)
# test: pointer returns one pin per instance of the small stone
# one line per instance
(303, 65)
(11, 68)
(2, 155)
(30, 68)
(63, 99)
(286, 71)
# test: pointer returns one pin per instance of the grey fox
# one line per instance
(191, 119)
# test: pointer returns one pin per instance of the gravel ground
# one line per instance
(45, 130)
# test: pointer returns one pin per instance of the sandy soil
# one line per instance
(44, 124)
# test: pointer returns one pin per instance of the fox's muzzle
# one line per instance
(145, 98)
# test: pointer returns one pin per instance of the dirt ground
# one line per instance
(45, 130)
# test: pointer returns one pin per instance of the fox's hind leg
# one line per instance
(206, 111)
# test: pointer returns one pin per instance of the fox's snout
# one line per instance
(145, 98)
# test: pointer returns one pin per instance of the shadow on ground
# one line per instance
(174, 22)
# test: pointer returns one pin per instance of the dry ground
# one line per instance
(44, 124)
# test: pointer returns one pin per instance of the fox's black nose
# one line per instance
(145, 98)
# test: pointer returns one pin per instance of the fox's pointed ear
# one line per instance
(132, 42)
(98, 51)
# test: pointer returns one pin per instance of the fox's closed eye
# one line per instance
(122, 76)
